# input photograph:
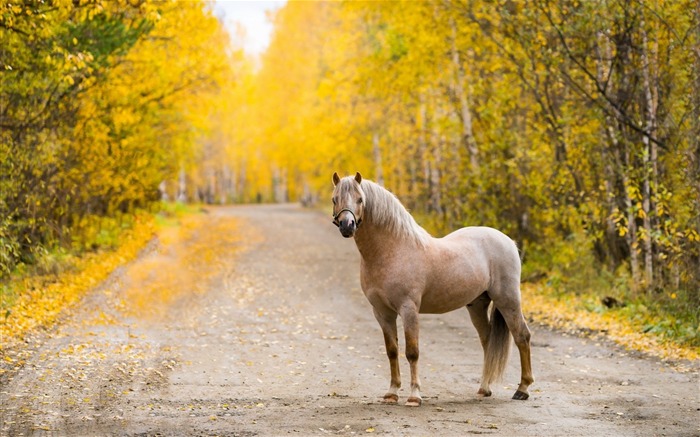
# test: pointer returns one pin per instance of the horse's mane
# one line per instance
(383, 209)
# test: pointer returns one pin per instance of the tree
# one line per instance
(557, 121)
(101, 102)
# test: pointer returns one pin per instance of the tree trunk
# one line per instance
(631, 235)
(423, 152)
(435, 169)
(182, 188)
(468, 140)
(649, 159)
(611, 163)
(377, 153)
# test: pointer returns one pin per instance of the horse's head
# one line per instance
(348, 203)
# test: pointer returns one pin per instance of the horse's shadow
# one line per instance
(446, 404)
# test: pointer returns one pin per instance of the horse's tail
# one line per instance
(498, 349)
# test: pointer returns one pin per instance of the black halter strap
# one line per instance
(337, 223)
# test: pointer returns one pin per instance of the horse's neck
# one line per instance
(377, 243)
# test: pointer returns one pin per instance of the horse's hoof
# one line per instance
(520, 395)
(484, 393)
(390, 398)
(414, 402)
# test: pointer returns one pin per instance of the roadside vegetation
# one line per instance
(34, 295)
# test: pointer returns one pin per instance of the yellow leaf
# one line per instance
(370, 429)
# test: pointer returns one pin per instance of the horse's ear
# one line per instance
(336, 179)
(358, 177)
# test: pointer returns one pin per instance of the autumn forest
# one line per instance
(571, 125)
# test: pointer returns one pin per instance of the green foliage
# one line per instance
(170, 213)
(106, 36)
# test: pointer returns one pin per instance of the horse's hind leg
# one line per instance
(387, 321)
(478, 311)
(521, 334)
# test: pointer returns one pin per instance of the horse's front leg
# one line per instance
(409, 315)
(387, 321)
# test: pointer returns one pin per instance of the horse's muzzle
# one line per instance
(347, 228)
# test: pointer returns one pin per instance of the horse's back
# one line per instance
(498, 249)
(484, 237)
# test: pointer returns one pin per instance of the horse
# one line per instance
(404, 271)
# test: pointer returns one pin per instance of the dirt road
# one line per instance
(278, 339)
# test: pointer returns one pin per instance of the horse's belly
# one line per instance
(440, 307)
(448, 292)
(443, 301)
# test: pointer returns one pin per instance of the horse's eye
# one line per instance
(359, 200)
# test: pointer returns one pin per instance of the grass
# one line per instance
(633, 326)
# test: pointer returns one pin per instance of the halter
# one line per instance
(337, 223)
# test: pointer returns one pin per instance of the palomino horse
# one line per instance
(404, 272)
